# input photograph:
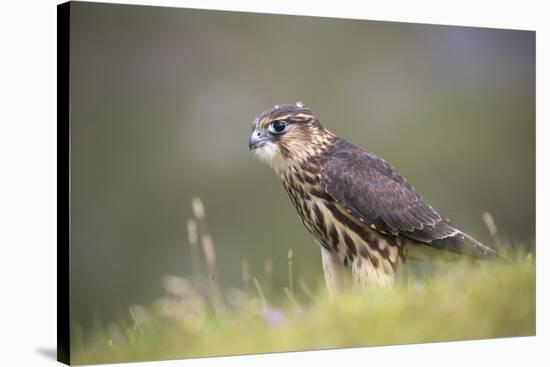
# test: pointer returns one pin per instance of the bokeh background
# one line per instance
(162, 101)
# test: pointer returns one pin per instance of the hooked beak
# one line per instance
(257, 139)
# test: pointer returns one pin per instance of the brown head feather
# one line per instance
(303, 137)
(292, 113)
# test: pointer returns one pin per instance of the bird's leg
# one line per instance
(336, 274)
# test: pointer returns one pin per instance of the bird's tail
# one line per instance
(452, 248)
(486, 251)
(465, 244)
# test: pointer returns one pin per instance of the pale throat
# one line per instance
(270, 153)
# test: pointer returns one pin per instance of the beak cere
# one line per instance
(257, 139)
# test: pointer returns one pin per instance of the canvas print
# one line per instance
(250, 183)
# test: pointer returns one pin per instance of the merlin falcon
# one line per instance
(365, 216)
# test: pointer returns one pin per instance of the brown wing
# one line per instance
(377, 194)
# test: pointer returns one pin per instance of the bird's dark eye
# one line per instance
(277, 127)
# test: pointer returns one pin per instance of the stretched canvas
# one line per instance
(251, 183)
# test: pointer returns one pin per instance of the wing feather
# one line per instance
(373, 191)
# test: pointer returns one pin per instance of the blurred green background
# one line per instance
(162, 101)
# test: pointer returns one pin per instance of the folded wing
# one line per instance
(374, 192)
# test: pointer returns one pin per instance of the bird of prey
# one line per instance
(365, 216)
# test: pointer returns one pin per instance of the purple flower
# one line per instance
(274, 316)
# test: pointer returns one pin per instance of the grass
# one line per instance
(455, 301)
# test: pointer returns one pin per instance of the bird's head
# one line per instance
(286, 134)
